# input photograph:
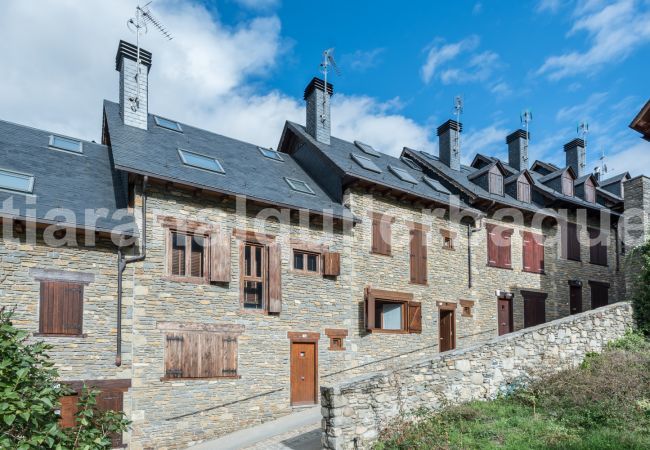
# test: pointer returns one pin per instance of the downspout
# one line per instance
(617, 247)
(122, 262)
(470, 231)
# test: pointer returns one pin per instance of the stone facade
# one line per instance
(355, 411)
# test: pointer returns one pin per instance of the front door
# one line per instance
(575, 299)
(505, 316)
(303, 373)
(447, 330)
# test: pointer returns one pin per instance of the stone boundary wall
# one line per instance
(355, 411)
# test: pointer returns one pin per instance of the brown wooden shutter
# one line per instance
(61, 308)
(331, 264)
(418, 256)
(68, 410)
(220, 257)
(229, 356)
(415, 317)
(505, 252)
(386, 237)
(381, 235)
(539, 253)
(369, 311)
(275, 278)
(534, 308)
(174, 355)
(375, 235)
(573, 242)
(491, 245)
(529, 251)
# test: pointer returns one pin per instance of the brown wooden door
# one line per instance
(575, 299)
(447, 330)
(505, 316)
(534, 310)
(303, 373)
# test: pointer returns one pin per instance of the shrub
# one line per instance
(640, 295)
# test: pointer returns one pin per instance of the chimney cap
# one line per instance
(450, 125)
(577, 142)
(519, 134)
(317, 83)
(130, 51)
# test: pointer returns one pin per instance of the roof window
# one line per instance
(67, 144)
(365, 162)
(200, 161)
(402, 174)
(271, 154)
(367, 149)
(299, 186)
(169, 124)
(15, 181)
(436, 185)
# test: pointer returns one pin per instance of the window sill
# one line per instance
(83, 335)
(381, 331)
(179, 279)
(598, 264)
(451, 249)
(333, 349)
(381, 254)
(306, 273)
(573, 259)
(534, 272)
(419, 284)
(499, 267)
(228, 377)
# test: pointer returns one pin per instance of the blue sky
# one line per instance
(238, 67)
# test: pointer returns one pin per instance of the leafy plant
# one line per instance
(640, 295)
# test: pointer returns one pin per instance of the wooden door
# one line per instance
(505, 316)
(303, 373)
(575, 299)
(534, 310)
(447, 330)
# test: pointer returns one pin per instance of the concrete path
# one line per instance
(297, 431)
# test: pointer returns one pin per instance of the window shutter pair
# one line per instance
(331, 264)
(61, 308)
(499, 241)
(220, 257)
(381, 235)
(418, 256)
(597, 250)
(533, 248)
(413, 314)
(200, 355)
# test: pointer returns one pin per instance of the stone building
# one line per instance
(218, 282)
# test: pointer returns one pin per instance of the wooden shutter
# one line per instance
(539, 253)
(275, 278)
(220, 257)
(369, 311)
(599, 294)
(501, 243)
(174, 355)
(573, 242)
(110, 400)
(381, 235)
(492, 248)
(61, 308)
(418, 256)
(229, 356)
(331, 264)
(68, 410)
(415, 317)
(534, 308)
(529, 251)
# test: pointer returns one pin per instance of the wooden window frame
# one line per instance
(305, 254)
(467, 307)
(243, 278)
(189, 238)
(402, 298)
(448, 236)
(381, 225)
(499, 251)
(336, 334)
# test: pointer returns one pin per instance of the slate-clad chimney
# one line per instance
(576, 156)
(518, 149)
(449, 143)
(318, 110)
(133, 101)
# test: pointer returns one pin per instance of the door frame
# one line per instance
(306, 337)
(451, 307)
(510, 299)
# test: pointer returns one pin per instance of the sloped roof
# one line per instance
(615, 179)
(584, 178)
(70, 181)
(154, 152)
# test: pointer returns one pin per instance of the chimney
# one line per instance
(318, 110)
(576, 156)
(449, 143)
(518, 149)
(133, 100)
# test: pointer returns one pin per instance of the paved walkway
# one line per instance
(297, 431)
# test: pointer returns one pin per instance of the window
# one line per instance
(254, 276)
(418, 255)
(534, 308)
(15, 181)
(448, 239)
(466, 306)
(187, 256)
(271, 154)
(571, 242)
(597, 246)
(365, 148)
(200, 354)
(533, 252)
(168, 124)
(337, 338)
(436, 185)
(402, 174)
(381, 234)
(260, 276)
(67, 144)
(392, 312)
(299, 186)
(567, 184)
(599, 294)
(523, 191)
(306, 262)
(499, 240)
(495, 181)
(590, 191)
(366, 163)
(200, 161)
(61, 308)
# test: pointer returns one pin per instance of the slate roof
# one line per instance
(154, 152)
(615, 179)
(74, 182)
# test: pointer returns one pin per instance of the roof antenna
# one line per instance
(582, 130)
(458, 110)
(138, 25)
(526, 117)
(602, 169)
(328, 60)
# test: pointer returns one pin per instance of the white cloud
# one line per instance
(614, 32)
(489, 140)
(55, 77)
(438, 55)
(362, 60)
(635, 159)
(584, 110)
(258, 4)
(552, 6)
(501, 89)
(479, 68)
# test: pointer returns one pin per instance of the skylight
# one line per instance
(299, 186)
(169, 124)
(436, 185)
(15, 181)
(365, 148)
(366, 163)
(270, 153)
(403, 174)
(67, 144)
(200, 161)
(412, 164)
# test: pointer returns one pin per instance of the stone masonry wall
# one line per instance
(356, 411)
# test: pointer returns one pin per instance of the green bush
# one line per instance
(640, 295)
(29, 398)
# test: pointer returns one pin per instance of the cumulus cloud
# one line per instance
(489, 140)
(437, 55)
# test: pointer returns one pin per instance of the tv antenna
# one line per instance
(526, 118)
(602, 169)
(458, 110)
(583, 130)
(328, 61)
(138, 25)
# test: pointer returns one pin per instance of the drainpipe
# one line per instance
(470, 230)
(122, 262)
(618, 262)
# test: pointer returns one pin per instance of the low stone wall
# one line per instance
(354, 412)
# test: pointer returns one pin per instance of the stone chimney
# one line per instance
(576, 156)
(449, 143)
(133, 99)
(318, 110)
(518, 149)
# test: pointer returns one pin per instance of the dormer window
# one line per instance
(495, 181)
(567, 184)
(523, 190)
(590, 191)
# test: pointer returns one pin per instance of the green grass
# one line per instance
(604, 404)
